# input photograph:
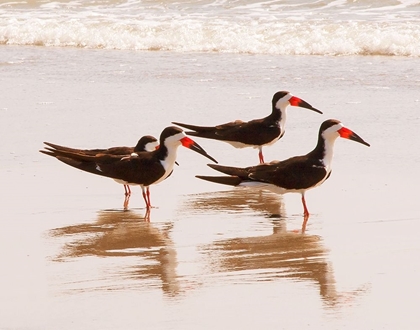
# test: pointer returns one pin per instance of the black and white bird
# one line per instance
(296, 174)
(141, 168)
(256, 133)
(146, 143)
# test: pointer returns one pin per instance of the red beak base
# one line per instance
(349, 134)
(297, 102)
(190, 144)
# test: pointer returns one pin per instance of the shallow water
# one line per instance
(211, 256)
(299, 27)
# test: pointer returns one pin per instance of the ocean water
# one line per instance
(302, 27)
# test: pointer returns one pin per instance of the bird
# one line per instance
(296, 174)
(256, 133)
(140, 168)
(145, 143)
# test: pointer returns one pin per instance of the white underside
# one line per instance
(240, 145)
(126, 183)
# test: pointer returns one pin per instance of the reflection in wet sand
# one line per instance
(125, 233)
(238, 201)
(282, 254)
(242, 200)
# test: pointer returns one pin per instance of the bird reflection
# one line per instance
(286, 254)
(243, 200)
(125, 233)
(280, 255)
(283, 254)
(238, 201)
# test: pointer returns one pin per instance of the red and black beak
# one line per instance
(190, 144)
(349, 134)
(297, 102)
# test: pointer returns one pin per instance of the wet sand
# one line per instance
(211, 256)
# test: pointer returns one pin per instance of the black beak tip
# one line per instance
(360, 140)
(214, 160)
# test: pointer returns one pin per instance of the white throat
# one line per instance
(172, 143)
(282, 123)
(329, 135)
(328, 154)
(168, 163)
(282, 105)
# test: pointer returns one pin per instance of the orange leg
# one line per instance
(260, 156)
(147, 215)
(305, 214)
(305, 209)
(127, 190)
(146, 196)
(305, 221)
(126, 201)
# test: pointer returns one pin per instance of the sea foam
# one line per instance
(336, 28)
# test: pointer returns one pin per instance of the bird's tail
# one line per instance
(230, 170)
(90, 167)
(207, 132)
(74, 161)
(67, 154)
(194, 127)
(53, 146)
(227, 180)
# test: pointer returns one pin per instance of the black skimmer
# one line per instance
(141, 168)
(297, 174)
(255, 133)
(146, 143)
